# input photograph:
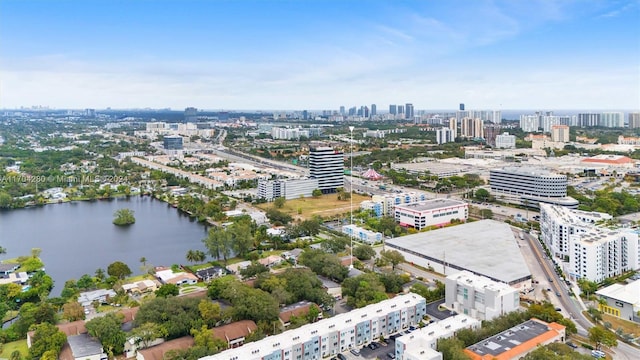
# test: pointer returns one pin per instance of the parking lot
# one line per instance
(380, 353)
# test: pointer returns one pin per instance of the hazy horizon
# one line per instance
(320, 54)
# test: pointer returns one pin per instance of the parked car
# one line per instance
(391, 355)
(572, 345)
(355, 352)
(341, 357)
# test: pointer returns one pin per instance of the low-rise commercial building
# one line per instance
(331, 336)
(436, 212)
(518, 341)
(479, 296)
(289, 189)
(474, 246)
(621, 300)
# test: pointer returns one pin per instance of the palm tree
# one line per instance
(143, 260)
(2, 250)
(191, 256)
(99, 274)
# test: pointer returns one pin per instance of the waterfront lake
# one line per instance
(77, 238)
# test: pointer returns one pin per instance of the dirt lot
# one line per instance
(325, 206)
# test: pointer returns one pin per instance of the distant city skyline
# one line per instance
(270, 55)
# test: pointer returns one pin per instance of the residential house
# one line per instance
(82, 347)
(210, 273)
(158, 352)
(292, 255)
(102, 296)
(270, 260)
(298, 309)
(133, 345)
(8, 268)
(235, 333)
(235, 268)
(333, 288)
(167, 276)
(140, 287)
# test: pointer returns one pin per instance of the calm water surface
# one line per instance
(77, 238)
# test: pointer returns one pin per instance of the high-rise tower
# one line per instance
(327, 165)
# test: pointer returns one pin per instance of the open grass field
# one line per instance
(325, 206)
(627, 326)
(8, 348)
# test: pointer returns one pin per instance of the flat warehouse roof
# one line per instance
(485, 247)
(431, 204)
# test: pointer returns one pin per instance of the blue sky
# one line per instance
(320, 54)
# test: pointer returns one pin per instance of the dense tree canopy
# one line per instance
(178, 315)
(46, 338)
(108, 330)
(119, 270)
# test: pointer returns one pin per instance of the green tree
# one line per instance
(196, 256)
(393, 256)
(123, 217)
(15, 355)
(47, 337)
(210, 312)
(601, 336)
(100, 275)
(219, 243)
(364, 252)
(316, 193)
(279, 202)
(73, 311)
(119, 270)
(3, 250)
(167, 290)
(482, 195)
(252, 270)
(35, 252)
(108, 330)
(176, 314)
(86, 282)
(486, 213)
(146, 333)
(363, 290)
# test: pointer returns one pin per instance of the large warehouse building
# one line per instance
(488, 248)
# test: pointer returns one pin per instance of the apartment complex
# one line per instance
(558, 223)
(384, 205)
(479, 296)
(594, 251)
(435, 212)
(363, 235)
(331, 336)
(327, 166)
(560, 133)
(445, 135)
(421, 344)
(505, 141)
(530, 186)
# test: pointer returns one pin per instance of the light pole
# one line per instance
(351, 194)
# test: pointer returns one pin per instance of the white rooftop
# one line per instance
(485, 247)
(629, 293)
(480, 282)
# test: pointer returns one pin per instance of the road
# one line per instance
(570, 306)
